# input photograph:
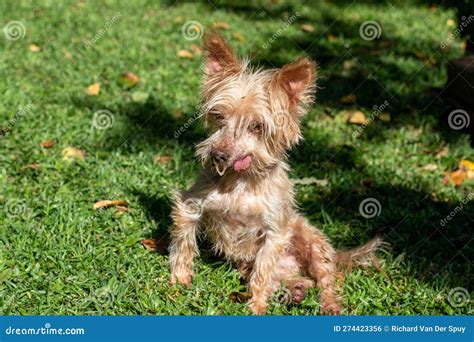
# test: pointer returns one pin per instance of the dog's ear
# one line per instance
(297, 79)
(220, 57)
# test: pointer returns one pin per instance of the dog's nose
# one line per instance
(219, 156)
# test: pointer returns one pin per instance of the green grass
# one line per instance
(59, 256)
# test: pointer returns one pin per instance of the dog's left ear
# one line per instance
(298, 80)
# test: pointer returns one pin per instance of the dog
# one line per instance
(243, 200)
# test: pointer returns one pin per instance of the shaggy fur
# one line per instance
(243, 200)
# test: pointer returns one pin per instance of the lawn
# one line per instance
(60, 256)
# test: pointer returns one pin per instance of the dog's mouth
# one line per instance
(239, 165)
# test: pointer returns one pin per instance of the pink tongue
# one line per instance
(242, 164)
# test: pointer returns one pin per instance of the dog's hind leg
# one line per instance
(317, 258)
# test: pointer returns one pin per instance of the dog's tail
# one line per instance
(360, 256)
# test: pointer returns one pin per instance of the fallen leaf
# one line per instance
(70, 153)
(366, 182)
(442, 152)
(468, 167)
(185, 54)
(384, 117)
(430, 167)
(331, 37)
(149, 244)
(240, 297)
(160, 159)
(67, 54)
(34, 166)
(48, 143)
(196, 50)
(109, 203)
(311, 180)
(351, 98)
(122, 209)
(178, 115)
(357, 117)
(178, 19)
(93, 89)
(34, 48)
(129, 79)
(455, 177)
(450, 23)
(238, 37)
(140, 96)
(307, 28)
(220, 25)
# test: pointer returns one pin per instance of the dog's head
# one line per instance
(254, 115)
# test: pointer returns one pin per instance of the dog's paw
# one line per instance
(258, 307)
(331, 309)
(184, 279)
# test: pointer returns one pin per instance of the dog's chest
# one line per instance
(235, 223)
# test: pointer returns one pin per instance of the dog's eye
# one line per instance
(256, 127)
(218, 118)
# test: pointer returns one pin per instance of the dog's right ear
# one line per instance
(220, 58)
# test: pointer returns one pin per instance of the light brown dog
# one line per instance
(243, 200)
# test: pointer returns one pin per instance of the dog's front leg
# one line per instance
(265, 262)
(186, 215)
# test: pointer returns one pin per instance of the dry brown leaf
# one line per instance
(34, 166)
(109, 203)
(240, 297)
(357, 117)
(67, 54)
(442, 152)
(70, 153)
(385, 117)
(34, 48)
(456, 177)
(48, 143)
(149, 244)
(238, 37)
(185, 54)
(430, 167)
(93, 89)
(129, 79)
(331, 37)
(196, 50)
(307, 28)
(122, 209)
(351, 98)
(160, 159)
(221, 25)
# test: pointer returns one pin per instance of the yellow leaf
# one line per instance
(93, 89)
(70, 153)
(466, 165)
(307, 28)
(450, 23)
(357, 117)
(34, 48)
(185, 54)
(221, 25)
(239, 37)
(384, 117)
(110, 203)
(129, 79)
